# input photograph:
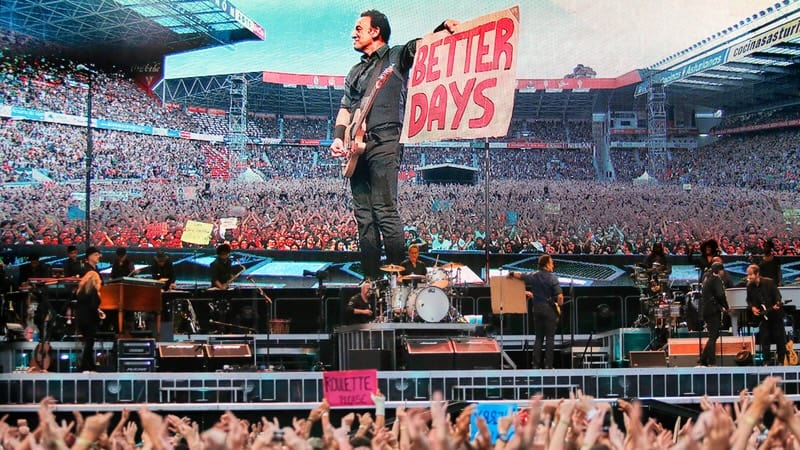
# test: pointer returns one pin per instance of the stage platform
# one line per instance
(264, 380)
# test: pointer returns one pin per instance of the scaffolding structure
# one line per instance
(657, 129)
(236, 139)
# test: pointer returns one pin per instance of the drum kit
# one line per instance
(661, 307)
(419, 298)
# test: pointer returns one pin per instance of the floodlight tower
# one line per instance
(657, 129)
(236, 138)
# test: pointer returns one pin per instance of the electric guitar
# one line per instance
(354, 132)
(42, 353)
(556, 307)
(791, 355)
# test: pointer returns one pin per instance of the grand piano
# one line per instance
(132, 294)
(737, 301)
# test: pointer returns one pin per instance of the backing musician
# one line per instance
(764, 300)
(162, 270)
(714, 304)
(122, 265)
(544, 290)
(72, 266)
(221, 268)
(221, 278)
(412, 265)
(359, 307)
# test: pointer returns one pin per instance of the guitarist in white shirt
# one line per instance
(547, 298)
(367, 134)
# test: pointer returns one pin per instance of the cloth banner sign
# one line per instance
(462, 84)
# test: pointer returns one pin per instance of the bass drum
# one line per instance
(429, 304)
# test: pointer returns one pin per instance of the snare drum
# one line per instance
(439, 278)
(429, 303)
(675, 310)
(400, 298)
(661, 312)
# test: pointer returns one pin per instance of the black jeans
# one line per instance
(545, 322)
(770, 332)
(713, 322)
(87, 356)
(374, 188)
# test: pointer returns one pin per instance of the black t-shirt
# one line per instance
(356, 302)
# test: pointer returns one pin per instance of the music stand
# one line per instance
(508, 297)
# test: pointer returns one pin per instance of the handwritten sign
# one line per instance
(198, 233)
(350, 387)
(462, 84)
(491, 413)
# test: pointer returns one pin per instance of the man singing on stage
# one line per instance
(374, 181)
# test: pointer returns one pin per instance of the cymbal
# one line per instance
(392, 268)
(413, 277)
(452, 265)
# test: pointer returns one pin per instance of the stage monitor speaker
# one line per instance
(181, 357)
(641, 359)
(136, 348)
(136, 365)
(228, 351)
(475, 353)
(221, 355)
(370, 359)
(429, 354)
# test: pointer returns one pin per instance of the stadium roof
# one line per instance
(127, 32)
(753, 64)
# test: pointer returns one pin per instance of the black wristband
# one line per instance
(338, 132)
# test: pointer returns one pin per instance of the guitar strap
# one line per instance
(373, 79)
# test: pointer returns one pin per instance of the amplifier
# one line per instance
(136, 365)
(181, 350)
(181, 357)
(474, 353)
(429, 354)
(136, 348)
(228, 351)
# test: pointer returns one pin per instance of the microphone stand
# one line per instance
(232, 325)
(321, 293)
(269, 312)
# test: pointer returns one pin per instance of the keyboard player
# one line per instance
(162, 270)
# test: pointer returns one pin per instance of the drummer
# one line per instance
(413, 266)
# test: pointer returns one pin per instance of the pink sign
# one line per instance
(350, 387)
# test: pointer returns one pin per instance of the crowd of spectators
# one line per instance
(568, 216)
(57, 152)
(762, 418)
(759, 118)
(763, 160)
(542, 199)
